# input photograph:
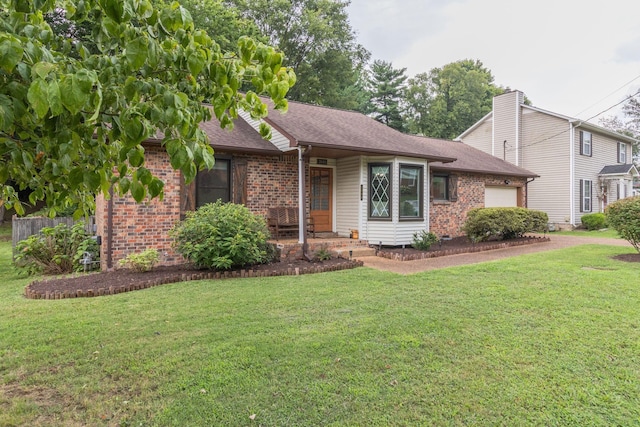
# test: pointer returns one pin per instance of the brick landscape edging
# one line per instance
(185, 277)
(480, 248)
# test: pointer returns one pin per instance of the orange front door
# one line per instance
(322, 199)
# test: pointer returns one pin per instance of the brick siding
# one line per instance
(447, 218)
(271, 181)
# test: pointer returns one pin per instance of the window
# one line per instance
(622, 152)
(214, 184)
(586, 186)
(440, 187)
(380, 191)
(585, 143)
(411, 194)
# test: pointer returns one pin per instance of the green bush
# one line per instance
(423, 240)
(503, 223)
(56, 250)
(141, 261)
(594, 221)
(624, 217)
(222, 236)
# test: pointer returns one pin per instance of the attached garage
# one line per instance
(500, 197)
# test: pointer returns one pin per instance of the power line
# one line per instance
(567, 130)
(621, 87)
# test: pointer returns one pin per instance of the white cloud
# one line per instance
(565, 55)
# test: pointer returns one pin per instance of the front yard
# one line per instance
(545, 339)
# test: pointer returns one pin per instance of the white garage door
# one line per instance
(500, 197)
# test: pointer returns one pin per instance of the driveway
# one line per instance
(556, 242)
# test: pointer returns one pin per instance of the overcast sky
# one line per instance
(573, 57)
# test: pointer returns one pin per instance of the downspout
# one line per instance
(572, 172)
(526, 189)
(302, 203)
(110, 229)
(518, 130)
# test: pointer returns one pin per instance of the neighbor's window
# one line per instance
(411, 199)
(622, 152)
(380, 191)
(214, 184)
(586, 187)
(585, 143)
(440, 187)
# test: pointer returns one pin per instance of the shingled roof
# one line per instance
(347, 132)
(470, 159)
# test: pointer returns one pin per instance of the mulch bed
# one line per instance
(628, 257)
(124, 280)
(458, 245)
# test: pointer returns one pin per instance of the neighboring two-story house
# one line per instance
(582, 167)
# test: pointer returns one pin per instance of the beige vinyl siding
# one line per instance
(480, 138)
(546, 152)
(277, 139)
(506, 134)
(348, 204)
(392, 232)
(604, 151)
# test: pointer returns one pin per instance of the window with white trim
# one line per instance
(585, 143)
(411, 193)
(622, 152)
(380, 191)
(586, 195)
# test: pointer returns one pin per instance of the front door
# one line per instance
(322, 199)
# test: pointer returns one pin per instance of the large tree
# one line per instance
(385, 87)
(448, 100)
(73, 119)
(318, 42)
(222, 21)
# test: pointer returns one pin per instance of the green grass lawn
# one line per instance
(549, 339)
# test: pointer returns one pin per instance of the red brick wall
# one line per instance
(271, 181)
(447, 218)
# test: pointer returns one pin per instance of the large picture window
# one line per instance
(380, 191)
(411, 193)
(214, 184)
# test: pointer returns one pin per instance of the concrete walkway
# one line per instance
(557, 242)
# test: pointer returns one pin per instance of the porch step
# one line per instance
(356, 251)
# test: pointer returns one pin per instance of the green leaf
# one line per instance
(136, 52)
(92, 179)
(124, 184)
(137, 191)
(74, 96)
(136, 156)
(38, 97)
(156, 187)
(76, 176)
(10, 52)
(143, 175)
(54, 98)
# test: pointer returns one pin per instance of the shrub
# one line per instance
(222, 236)
(624, 217)
(594, 221)
(503, 223)
(56, 250)
(423, 240)
(141, 261)
(323, 254)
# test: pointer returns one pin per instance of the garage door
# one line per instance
(500, 197)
